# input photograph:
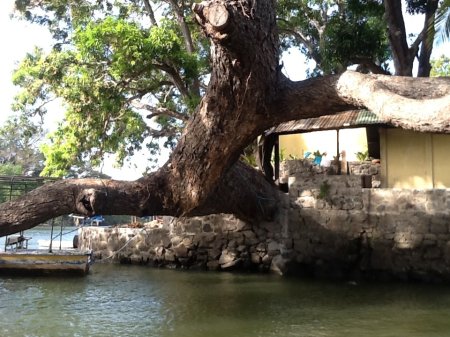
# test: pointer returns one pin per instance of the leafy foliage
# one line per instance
(8, 169)
(440, 66)
(335, 34)
(416, 6)
(19, 153)
(111, 72)
(362, 155)
(443, 21)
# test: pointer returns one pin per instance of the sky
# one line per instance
(16, 38)
(19, 37)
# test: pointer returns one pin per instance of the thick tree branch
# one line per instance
(87, 196)
(300, 38)
(164, 132)
(174, 76)
(428, 38)
(401, 101)
(159, 111)
(146, 196)
(401, 53)
(150, 12)
(415, 45)
(370, 65)
(187, 36)
(398, 108)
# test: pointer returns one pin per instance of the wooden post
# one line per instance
(277, 157)
(338, 161)
(51, 237)
(61, 232)
(11, 188)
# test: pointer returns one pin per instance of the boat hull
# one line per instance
(44, 262)
(65, 244)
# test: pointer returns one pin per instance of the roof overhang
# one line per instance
(345, 120)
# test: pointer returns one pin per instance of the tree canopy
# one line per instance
(336, 34)
(125, 82)
(131, 73)
(19, 152)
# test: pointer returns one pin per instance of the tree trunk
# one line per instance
(402, 55)
(428, 39)
(247, 94)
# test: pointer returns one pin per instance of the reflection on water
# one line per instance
(118, 300)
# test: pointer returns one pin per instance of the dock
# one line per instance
(18, 259)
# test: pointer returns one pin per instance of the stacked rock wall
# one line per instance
(328, 226)
(372, 233)
(211, 242)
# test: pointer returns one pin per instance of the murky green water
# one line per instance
(116, 300)
(138, 301)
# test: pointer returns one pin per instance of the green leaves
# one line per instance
(352, 36)
(335, 34)
(19, 154)
(440, 66)
(111, 63)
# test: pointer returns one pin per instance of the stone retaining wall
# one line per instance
(328, 226)
(306, 168)
(212, 242)
(370, 233)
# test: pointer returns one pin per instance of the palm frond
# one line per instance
(442, 22)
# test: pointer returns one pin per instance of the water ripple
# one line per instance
(136, 301)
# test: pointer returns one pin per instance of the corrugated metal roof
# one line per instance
(348, 119)
(365, 117)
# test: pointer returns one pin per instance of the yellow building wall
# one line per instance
(441, 161)
(350, 141)
(414, 160)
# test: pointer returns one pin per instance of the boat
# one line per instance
(63, 244)
(18, 259)
(43, 261)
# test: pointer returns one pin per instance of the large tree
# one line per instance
(247, 93)
(115, 65)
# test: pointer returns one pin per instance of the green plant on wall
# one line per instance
(282, 156)
(249, 159)
(317, 153)
(363, 155)
(324, 191)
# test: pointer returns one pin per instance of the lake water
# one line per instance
(44, 233)
(117, 300)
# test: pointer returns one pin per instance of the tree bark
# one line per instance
(179, 12)
(427, 43)
(402, 55)
(247, 94)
